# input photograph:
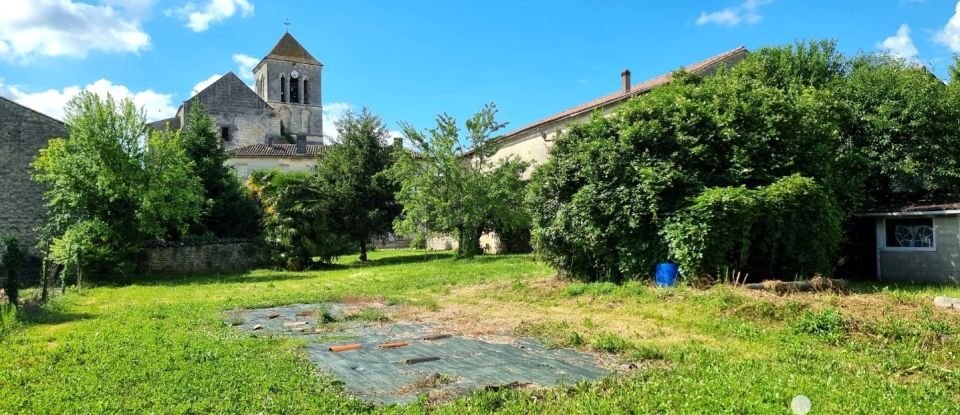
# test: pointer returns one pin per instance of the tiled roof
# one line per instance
(288, 49)
(276, 150)
(702, 67)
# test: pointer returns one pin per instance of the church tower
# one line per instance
(288, 79)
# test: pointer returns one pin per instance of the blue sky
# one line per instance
(409, 60)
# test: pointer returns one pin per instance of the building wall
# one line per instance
(232, 104)
(243, 166)
(939, 266)
(22, 134)
(201, 258)
(534, 146)
(490, 242)
(295, 116)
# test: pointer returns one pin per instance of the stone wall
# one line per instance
(233, 105)
(222, 256)
(23, 132)
(298, 117)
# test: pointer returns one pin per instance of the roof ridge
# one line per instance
(288, 48)
(32, 110)
(635, 89)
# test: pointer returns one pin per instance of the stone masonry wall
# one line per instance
(201, 258)
(232, 104)
(23, 132)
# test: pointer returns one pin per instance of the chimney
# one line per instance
(398, 141)
(301, 144)
(269, 140)
(625, 78)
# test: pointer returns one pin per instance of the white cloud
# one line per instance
(199, 18)
(747, 12)
(155, 105)
(950, 34)
(245, 66)
(200, 86)
(138, 8)
(900, 45)
(66, 28)
(332, 113)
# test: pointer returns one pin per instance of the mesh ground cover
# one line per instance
(385, 376)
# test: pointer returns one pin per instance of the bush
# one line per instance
(12, 258)
(791, 227)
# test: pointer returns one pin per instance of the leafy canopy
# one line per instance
(445, 190)
(355, 171)
(109, 174)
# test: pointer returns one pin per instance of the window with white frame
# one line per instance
(909, 233)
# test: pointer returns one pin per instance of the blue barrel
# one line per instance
(667, 272)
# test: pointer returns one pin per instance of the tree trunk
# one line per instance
(468, 241)
(44, 264)
(363, 251)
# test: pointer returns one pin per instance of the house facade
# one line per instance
(919, 243)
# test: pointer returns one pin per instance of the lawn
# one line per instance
(161, 345)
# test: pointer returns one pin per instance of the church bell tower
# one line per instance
(289, 79)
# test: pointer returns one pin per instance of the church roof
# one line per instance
(276, 150)
(228, 91)
(289, 49)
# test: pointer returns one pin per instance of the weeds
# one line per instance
(8, 319)
(827, 323)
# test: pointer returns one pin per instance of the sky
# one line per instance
(410, 60)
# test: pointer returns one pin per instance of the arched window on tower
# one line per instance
(295, 90)
(283, 88)
(306, 91)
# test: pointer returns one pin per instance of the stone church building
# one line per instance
(278, 123)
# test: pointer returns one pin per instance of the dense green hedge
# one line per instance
(791, 227)
(755, 167)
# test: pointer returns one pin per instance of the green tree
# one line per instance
(445, 190)
(355, 171)
(228, 211)
(108, 172)
(298, 219)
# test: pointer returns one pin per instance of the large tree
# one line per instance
(228, 211)
(109, 175)
(355, 169)
(445, 189)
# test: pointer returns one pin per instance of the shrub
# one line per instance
(791, 227)
(12, 257)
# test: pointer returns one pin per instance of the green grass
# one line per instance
(164, 345)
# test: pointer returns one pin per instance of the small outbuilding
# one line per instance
(918, 243)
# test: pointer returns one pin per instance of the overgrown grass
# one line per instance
(164, 345)
(8, 319)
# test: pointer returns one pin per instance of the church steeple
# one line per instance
(289, 49)
(289, 79)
